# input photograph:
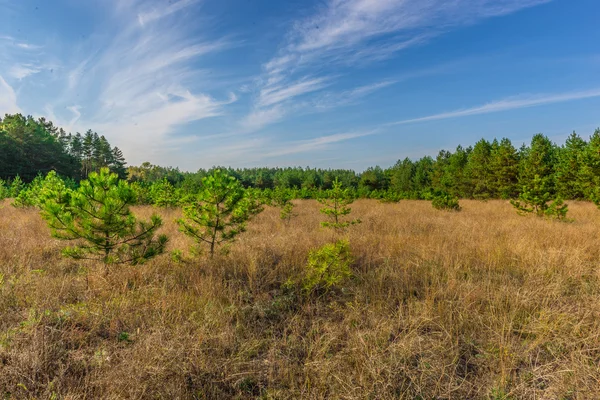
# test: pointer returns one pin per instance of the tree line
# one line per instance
(485, 170)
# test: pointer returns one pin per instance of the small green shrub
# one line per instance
(40, 190)
(538, 201)
(327, 267)
(163, 194)
(444, 201)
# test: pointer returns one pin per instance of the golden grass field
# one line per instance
(480, 304)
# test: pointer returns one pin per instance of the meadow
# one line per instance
(477, 304)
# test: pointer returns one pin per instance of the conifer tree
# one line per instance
(478, 172)
(97, 218)
(537, 162)
(40, 190)
(220, 211)
(3, 189)
(163, 194)
(568, 168)
(504, 164)
(335, 202)
(402, 177)
(16, 187)
(283, 199)
(536, 199)
(589, 174)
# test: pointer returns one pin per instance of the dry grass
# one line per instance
(481, 304)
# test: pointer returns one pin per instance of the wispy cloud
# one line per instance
(8, 99)
(507, 104)
(319, 143)
(354, 32)
(273, 94)
(21, 71)
(143, 79)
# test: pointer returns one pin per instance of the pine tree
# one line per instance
(402, 177)
(537, 162)
(589, 174)
(504, 166)
(3, 189)
(164, 194)
(335, 202)
(536, 199)
(220, 211)
(568, 168)
(16, 187)
(97, 218)
(283, 199)
(477, 171)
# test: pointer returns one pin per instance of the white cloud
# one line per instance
(507, 104)
(143, 79)
(8, 99)
(303, 146)
(260, 118)
(277, 94)
(354, 32)
(21, 71)
(28, 46)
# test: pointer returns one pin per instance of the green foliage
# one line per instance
(283, 199)
(335, 202)
(444, 201)
(40, 190)
(327, 267)
(97, 218)
(390, 196)
(164, 194)
(536, 199)
(220, 211)
(4, 189)
(142, 193)
(16, 187)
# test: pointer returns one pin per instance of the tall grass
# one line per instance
(481, 304)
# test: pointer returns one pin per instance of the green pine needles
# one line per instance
(97, 218)
(335, 202)
(219, 212)
(445, 201)
(327, 267)
(283, 199)
(536, 199)
(40, 190)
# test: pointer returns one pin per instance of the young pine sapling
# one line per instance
(335, 202)
(220, 211)
(97, 218)
(536, 199)
(283, 199)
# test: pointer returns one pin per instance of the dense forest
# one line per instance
(29, 147)
(486, 170)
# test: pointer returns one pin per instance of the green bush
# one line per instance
(444, 201)
(537, 200)
(40, 190)
(327, 267)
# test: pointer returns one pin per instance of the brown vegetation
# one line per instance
(481, 304)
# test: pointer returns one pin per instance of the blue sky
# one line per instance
(328, 83)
